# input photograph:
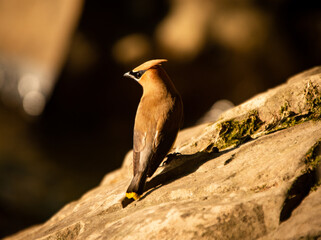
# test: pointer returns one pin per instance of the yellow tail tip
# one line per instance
(132, 195)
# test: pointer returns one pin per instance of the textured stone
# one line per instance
(305, 221)
(245, 189)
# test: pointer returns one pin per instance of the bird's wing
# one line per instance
(165, 135)
(139, 145)
(162, 144)
(151, 152)
(139, 140)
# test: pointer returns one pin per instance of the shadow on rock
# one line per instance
(176, 166)
(181, 165)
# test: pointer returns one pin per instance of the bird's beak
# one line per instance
(127, 75)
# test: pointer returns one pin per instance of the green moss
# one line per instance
(233, 133)
(284, 108)
(312, 161)
(288, 118)
(316, 186)
(313, 158)
(313, 99)
(260, 188)
(305, 183)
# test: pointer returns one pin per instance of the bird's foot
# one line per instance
(170, 158)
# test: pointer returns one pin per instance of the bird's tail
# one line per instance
(136, 187)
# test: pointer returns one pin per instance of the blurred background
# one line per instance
(66, 112)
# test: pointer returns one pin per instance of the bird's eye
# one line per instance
(138, 74)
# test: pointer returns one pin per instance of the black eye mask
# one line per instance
(138, 74)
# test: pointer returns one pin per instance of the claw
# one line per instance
(170, 158)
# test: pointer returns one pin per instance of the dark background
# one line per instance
(86, 127)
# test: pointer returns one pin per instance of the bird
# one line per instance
(158, 119)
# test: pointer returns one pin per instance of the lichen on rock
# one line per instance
(233, 132)
(240, 128)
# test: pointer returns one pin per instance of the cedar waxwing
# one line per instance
(158, 118)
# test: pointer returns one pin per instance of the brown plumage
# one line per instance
(158, 119)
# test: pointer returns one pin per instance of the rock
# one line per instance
(252, 174)
(305, 221)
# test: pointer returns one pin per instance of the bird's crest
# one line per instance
(149, 64)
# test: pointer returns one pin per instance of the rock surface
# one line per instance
(253, 174)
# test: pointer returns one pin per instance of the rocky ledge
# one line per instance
(253, 174)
